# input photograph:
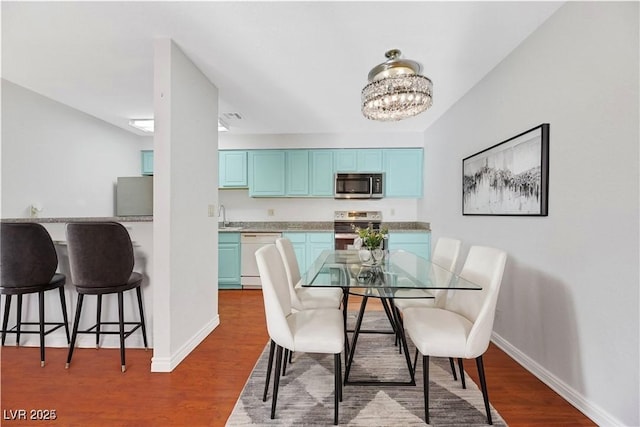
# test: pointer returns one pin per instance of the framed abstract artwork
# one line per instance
(509, 178)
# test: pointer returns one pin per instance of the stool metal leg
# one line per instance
(63, 303)
(74, 335)
(5, 318)
(143, 324)
(121, 321)
(98, 317)
(41, 314)
(18, 320)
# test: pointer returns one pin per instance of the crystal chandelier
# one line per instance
(396, 90)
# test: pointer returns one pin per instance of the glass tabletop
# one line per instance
(398, 270)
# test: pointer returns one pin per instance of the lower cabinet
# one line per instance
(229, 261)
(308, 246)
(417, 243)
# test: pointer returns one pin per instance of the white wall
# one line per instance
(240, 207)
(568, 308)
(185, 184)
(63, 159)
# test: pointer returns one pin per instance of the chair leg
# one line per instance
(276, 382)
(338, 392)
(272, 348)
(98, 317)
(453, 369)
(121, 321)
(18, 320)
(142, 321)
(5, 317)
(483, 387)
(415, 360)
(74, 334)
(464, 385)
(284, 362)
(425, 378)
(41, 315)
(63, 304)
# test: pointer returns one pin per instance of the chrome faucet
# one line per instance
(222, 211)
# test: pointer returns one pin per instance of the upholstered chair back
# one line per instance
(291, 268)
(276, 295)
(484, 266)
(28, 256)
(100, 254)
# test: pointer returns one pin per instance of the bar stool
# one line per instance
(101, 260)
(29, 263)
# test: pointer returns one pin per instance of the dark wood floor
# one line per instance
(203, 389)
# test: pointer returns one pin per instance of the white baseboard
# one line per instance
(168, 364)
(591, 410)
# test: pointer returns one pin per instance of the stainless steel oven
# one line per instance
(359, 185)
(345, 223)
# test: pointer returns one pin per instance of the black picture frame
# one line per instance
(510, 178)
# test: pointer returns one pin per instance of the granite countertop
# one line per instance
(146, 218)
(311, 226)
(244, 227)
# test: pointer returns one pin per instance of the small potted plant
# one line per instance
(372, 243)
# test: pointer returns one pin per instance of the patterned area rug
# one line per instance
(305, 396)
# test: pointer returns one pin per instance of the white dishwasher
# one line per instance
(249, 244)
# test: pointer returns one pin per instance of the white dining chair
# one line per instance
(462, 328)
(445, 254)
(317, 330)
(305, 298)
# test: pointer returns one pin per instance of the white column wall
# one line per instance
(568, 308)
(185, 184)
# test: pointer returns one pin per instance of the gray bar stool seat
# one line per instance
(29, 262)
(101, 260)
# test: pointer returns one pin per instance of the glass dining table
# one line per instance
(399, 274)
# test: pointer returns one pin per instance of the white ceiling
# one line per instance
(286, 67)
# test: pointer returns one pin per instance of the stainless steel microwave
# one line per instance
(359, 185)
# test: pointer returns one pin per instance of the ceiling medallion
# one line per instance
(396, 90)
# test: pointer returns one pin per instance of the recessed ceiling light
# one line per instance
(145, 125)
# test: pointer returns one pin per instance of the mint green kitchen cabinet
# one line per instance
(232, 169)
(308, 246)
(297, 171)
(146, 157)
(403, 172)
(418, 243)
(358, 160)
(267, 173)
(229, 261)
(321, 174)
(369, 160)
(346, 160)
(316, 243)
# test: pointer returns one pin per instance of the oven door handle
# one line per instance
(345, 235)
(370, 186)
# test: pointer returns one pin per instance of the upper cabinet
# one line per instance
(146, 157)
(321, 175)
(358, 160)
(310, 173)
(232, 169)
(267, 173)
(297, 173)
(403, 172)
